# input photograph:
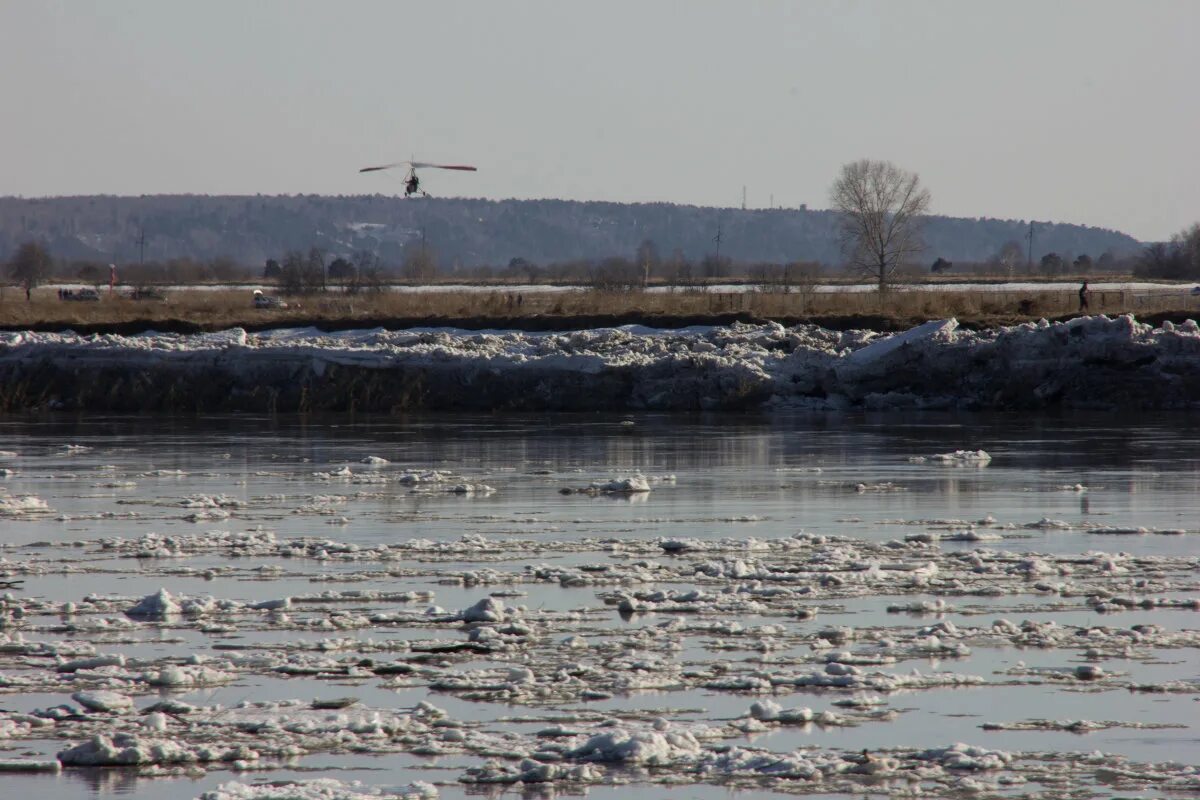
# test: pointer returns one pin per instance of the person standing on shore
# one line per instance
(1083, 297)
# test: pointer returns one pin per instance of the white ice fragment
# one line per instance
(770, 711)
(489, 609)
(123, 749)
(651, 748)
(103, 700)
(978, 458)
(630, 485)
(966, 757)
(471, 488)
(93, 662)
(11, 506)
(187, 675)
(877, 350)
(158, 606)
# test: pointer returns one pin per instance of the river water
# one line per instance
(1057, 490)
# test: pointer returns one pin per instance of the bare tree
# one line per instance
(300, 274)
(1009, 256)
(30, 266)
(615, 274)
(647, 259)
(368, 273)
(420, 263)
(882, 208)
(714, 266)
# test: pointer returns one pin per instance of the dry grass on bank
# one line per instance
(221, 309)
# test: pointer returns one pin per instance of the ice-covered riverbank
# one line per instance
(1091, 362)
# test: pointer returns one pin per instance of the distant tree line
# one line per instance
(316, 270)
(1178, 259)
(467, 232)
(879, 222)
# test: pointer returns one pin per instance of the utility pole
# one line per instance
(743, 198)
(1029, 236)
(141, 243)
(717, 239)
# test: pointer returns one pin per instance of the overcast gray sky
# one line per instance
(1053, 110)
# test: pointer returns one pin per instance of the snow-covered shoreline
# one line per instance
(1090, 362)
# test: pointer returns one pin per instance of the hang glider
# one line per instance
(420, 165)
(412, 184)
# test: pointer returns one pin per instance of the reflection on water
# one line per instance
(788, 473)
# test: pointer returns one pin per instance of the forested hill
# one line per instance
(472, 232)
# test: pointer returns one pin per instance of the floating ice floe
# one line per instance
(162, 605)
(634, 484)
(125, 749)
(22, 505)
(1075, 726)
(210, 501)
(470, 488)
(958, 458)
(104, 701)
(417, 476)
(728, 614)
(319, 789)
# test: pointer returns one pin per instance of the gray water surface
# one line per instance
(733, 477)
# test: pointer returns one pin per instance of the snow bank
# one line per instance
(1089, 362)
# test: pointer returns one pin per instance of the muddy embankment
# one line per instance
(1086, 363)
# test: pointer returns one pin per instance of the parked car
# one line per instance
(147, 293)
(266, 301)
(80, 295)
